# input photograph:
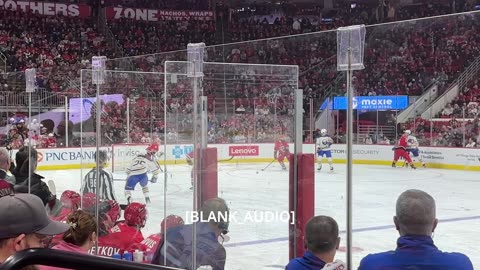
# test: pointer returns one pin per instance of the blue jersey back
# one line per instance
(416, 252)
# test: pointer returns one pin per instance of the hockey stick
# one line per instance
(225, 160)
(268, 165)
(52, 187)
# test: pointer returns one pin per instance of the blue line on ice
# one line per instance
(376, 228)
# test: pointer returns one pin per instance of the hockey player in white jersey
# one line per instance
(412, 147)
(106, 191)
(323, 144)
(138, 169)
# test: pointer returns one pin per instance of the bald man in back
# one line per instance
(415, 220)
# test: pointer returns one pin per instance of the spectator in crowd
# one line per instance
(321, 241)
(471, 143)
(25, 176)
(24, 224)
(416, 221)
(448, 110)
(80, 236)
(5, 188)
(5, 166)
(178, 251)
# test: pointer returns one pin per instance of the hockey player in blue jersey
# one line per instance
(412, 147)
(137, 172)
(323, 144)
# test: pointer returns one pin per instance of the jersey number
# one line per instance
(92, 182)
(138, 162)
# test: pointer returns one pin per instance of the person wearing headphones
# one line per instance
(176, 250)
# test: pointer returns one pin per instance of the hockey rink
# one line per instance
(264, 245)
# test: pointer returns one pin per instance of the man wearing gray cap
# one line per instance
(24, 224)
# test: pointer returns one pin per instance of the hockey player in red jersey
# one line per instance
(400, 150)
(124, 236)
(281, 151)
(151, 243)
(70, 203)
(88, 200)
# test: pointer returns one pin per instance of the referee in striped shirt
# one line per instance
(106, 191)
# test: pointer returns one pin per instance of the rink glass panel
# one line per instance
(435, 46)
(241, 163)
(131, 119)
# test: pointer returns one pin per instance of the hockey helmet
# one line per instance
(114, 212)
(70, 199)
(170, 222)
(102, 155)
(152, 148)
(408, 132)
(88, 200)
(323, 132)
(135, 214)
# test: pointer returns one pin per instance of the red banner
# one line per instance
(48, 9)
(243, 151)
(154, 15)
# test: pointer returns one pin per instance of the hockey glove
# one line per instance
(154, 179)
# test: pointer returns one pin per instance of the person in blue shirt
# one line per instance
(415, 220)
(176, 249)
(321, 242)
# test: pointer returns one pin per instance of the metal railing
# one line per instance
(461, 82)
(3, 62)
(375, 132)
(70, 260)
(41, 97)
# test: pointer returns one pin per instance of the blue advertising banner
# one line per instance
(325, 104)
(374, 103)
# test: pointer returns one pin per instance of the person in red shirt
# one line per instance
(151, 243)
(126, 235)
(400, 150)
(52, 141)
(281, 151)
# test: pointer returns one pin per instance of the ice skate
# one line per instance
(147, 200)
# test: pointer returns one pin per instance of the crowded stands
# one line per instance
(403, 61)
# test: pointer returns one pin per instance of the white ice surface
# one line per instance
(265, 246)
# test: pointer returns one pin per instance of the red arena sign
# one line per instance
(153, 15)
(45, 8)
(243, 150)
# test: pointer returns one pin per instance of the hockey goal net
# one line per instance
(123, 154)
